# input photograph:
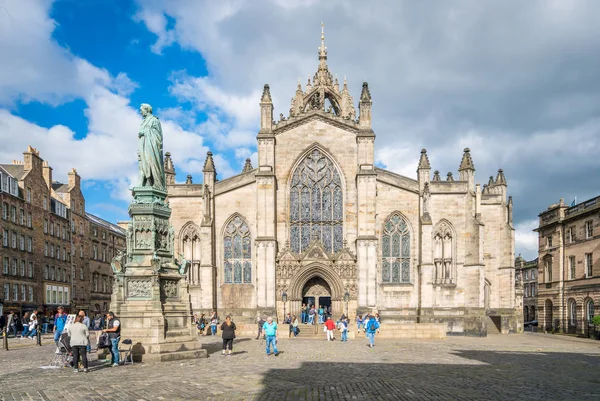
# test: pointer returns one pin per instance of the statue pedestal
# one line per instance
(150, 295)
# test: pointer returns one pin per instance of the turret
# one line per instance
(501, 184)
(266, 111)
(467, 169)
(169, 169)
(424, 169)
(210, 174)
(364, 106)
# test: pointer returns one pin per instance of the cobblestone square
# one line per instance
(525, 367)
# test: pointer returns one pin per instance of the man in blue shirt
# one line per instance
(371, 328)
(270, 333)
(59, 323)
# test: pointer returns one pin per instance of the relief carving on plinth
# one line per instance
(139, 288)
(169, 289)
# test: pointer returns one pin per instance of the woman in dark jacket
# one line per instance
(228, 333)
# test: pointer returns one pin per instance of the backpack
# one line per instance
(371, 325)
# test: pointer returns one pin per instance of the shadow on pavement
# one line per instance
(473, 375)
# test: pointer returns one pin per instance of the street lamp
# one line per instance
(284, 299)
(347, 299)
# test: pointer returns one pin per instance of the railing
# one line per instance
(582, 206)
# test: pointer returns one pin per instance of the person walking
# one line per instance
(25, 324)
(33, 327)
(79, 339)
(114, 334)
(60, 320)
(329, 326)
(11, 324)
(261, 323)
(270, 333)
(343, 327)
(201, 324)
(228, 334)
(371, 328)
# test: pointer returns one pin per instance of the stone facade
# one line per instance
(526, 278)
(316, 221)
(57, 232)
(569, 260)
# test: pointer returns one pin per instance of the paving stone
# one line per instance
(528, 366)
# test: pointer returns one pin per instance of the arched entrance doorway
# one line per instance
(317, 292)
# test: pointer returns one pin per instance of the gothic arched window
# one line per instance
(237, 252)
(395, 250)
(316, 204)
(443, 253)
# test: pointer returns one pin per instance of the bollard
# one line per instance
(5, 338)
(39, 337)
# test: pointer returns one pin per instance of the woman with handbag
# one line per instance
(228, 334)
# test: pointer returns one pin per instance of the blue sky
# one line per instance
(518, 83)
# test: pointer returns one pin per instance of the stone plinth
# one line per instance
(151, 297)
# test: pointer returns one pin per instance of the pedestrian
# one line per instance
(11, 324)
(228, 334)
(25, 324)
(303, 317)
(60, 320)
(295, 328)
(114, 334)
(371, 328)
(214, 321)
(261, 323)
(311, 315)
(321, 313)
(343, 327)
(86, 321)
(33, 327)
(270, 333)
(201, 324)
(365, 322)
(329, 326)
(288, 321)
(79, 339)
(2, 321)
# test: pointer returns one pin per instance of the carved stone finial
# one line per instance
(248, 166)
(209, 164)
(500, 178)
(365, 95)
(490, 181)
(424, 160)
(266, 95)
(436, 176)
(188, 180)
(466, 162)
(449, 177)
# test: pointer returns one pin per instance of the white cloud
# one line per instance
(526, 240)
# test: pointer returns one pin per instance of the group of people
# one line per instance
(76, 337)
(29, 324)
(309, 313)
(204, 325)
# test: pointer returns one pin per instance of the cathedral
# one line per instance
(317, 222)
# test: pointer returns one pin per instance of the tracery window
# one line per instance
(395, 250)
(237, 252)
(316, 204)
(443, 254)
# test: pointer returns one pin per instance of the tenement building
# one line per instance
(526, 275)
(569, 266)
(317, 222)
(47, 241)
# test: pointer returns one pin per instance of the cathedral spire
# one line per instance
(322, 49)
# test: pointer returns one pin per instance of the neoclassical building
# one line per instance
(317, 222)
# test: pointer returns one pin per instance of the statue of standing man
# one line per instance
(150, 150)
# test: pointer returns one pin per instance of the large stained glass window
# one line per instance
(237, 252)
(316, 204)
(395, 250)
